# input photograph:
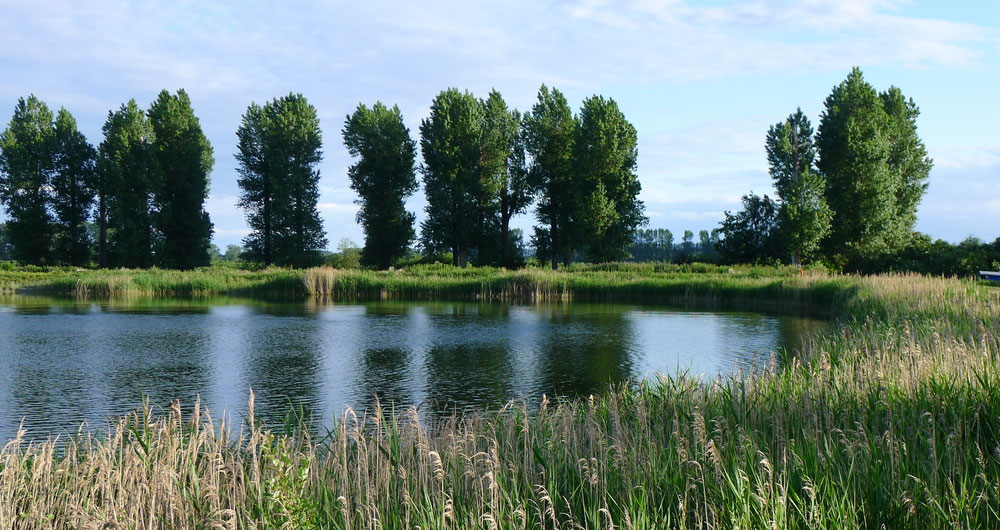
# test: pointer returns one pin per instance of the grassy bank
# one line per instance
(705, 284)
(890, 421)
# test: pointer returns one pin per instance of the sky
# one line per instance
(701, 81)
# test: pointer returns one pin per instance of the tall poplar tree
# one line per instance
(383, 177)
(450, 141)
(25, 180)
(503, 165)
(127, 178)
(549, 131)
(876, 168)
(803, 216)
(908, 159)
(184, 158)
(74, 186)
(606, 188)
(280, 145)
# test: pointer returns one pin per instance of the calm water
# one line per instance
(65, 362)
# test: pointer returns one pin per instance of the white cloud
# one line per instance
(967, 157)
(339, 208)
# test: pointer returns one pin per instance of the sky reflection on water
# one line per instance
(65, 362)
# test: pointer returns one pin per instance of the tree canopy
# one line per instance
(128, 172)
(453, 177)
(26, 166)
(184, 159)
(875, 166)
(383, 177)
(803, 216)
(549, 132)
(607, 188)
(279, 148)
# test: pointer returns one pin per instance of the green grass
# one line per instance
(759, 287)
(890, 420)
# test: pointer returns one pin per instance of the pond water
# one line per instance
(65, 362)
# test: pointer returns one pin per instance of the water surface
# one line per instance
(64, 362)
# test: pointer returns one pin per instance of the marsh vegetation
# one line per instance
(890, 419)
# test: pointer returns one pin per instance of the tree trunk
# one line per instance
(505, 240)
(102, 245)
(552, 247)
(267, 220)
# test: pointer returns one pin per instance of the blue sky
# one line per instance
(701, 81)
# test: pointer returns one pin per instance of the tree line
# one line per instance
(138, 199)
(846, 195)
(141, 190)
(484, 163)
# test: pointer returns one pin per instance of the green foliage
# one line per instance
(233, 253)
(74, 186)
(876, 168)
(604, 161)
(279, 148)
(26, 167)
(549, 132)
(803, 216)
(652, 244)
(938, 257)
(450, 139)
(184, 159)
(128, 174)
(751, 235)
(504, 172)
(6, 249)
(348, 256)
(383, 178)
(908, 160)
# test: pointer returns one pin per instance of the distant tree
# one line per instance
(549, 131)
(876, 168)
(74, 186)
(214, 253)
(6, 249)
(541, 244)
(707, 242)
(803, 217)
(450, 141)
(26, 167)
(518, 254)
(233, 253)
(278, 151)
(184, 157)
(607, 188)
(504, 167)
(751, 235)
(127, 177)
(652, 244)
(383, 177)
(687, 244)
(348, 256)
(664, 240)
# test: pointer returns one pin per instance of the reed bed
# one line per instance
(706, 285)
(891, 420)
